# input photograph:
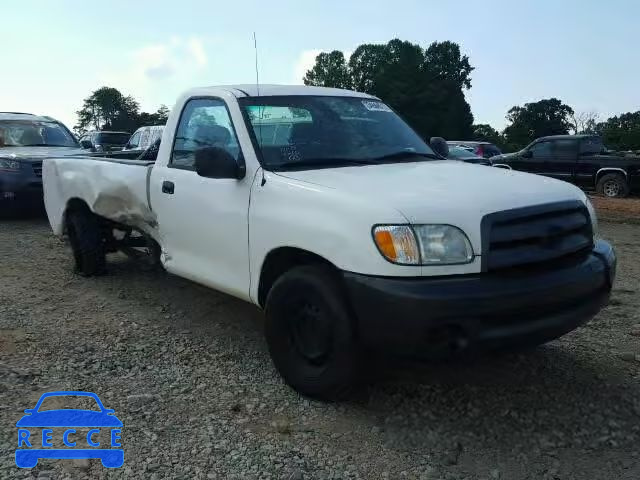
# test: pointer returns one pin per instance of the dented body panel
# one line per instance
(116, 190)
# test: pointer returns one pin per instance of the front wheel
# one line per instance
(613, 185)
(310, 333)
(87, 243)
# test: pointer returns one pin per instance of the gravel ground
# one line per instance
(187, 371)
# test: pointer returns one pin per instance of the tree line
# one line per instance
(426, 87)
(108, 109)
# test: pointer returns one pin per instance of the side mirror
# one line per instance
(440, 146)
(86, 144)
(215, 162)
(527, 154)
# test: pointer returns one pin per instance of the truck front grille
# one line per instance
(533, 235)
(37, 169)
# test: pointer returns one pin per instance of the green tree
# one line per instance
(366, 65)
(162, 114)
(425, 86)
(107, 109)
(158, 118)
(444, 60)
(486, 133)
(330, 70)
(621, 132)
(537, 119)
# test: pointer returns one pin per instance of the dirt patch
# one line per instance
(617, 209)
(187, 371)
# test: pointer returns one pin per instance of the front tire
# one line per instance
(613, 185)
(87, 243)
(310, 333)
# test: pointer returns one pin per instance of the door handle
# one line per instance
(168, 187)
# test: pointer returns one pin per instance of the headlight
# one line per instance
(423, 244)
(592, 216)
(9, 165)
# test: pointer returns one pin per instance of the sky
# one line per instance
(54, 54)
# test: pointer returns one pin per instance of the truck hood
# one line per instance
(38, 153)
(445, 191)
(503, 157)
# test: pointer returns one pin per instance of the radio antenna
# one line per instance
(255, 47)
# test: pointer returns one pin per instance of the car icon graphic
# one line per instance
(70, 419)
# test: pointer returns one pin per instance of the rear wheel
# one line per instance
(310, 333)
(87, 243)
(613, 185)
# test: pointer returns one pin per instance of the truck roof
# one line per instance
(108, 131)
(25, 116)
(565, 137)
(468, 142)
(268, 90)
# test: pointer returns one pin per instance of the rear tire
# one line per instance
(87, 243)
(310, 333)
(613, 185)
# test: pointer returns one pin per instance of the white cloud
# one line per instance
(155, 73)
(196, 48)
(306, 60)
(150, 64)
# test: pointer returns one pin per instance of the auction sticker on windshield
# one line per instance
(53, 430)
(375, 106)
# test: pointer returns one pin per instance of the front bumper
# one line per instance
(22, 188)
(423, 316)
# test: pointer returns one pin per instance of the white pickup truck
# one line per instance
(323, 207)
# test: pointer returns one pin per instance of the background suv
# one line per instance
(25, 140)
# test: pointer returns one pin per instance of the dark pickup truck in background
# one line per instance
(579, 159)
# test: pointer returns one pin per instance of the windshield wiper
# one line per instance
(324, 162)
(409, 155)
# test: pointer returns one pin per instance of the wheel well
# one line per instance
(607, 171)
(281, 260)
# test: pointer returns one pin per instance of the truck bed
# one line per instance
(113, 188)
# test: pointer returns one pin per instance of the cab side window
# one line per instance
(205, 122)
(591, 146)
(565, 148)
(541, 150)
(134, 141)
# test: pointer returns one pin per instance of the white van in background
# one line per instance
(143, 137)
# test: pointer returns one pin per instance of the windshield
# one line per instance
(112, 138)
(22, 133)
(298, 132)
